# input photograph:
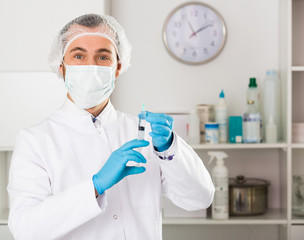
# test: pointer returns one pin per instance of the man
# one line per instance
(69, 176)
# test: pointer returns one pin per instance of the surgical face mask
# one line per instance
(89, 85)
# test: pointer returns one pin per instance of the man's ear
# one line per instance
(118, 70)
(62, 70)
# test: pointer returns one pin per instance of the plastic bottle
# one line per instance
(253, 93)
(219, 174)
(194, 128)
(271, 131)
(221, 117)
(251, 124)
(271, 96)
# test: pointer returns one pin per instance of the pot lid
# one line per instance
(241, 181)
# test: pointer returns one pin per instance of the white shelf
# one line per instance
(4, 216)
(271, 217)
(297, 220)
(240, 146)
(297, 68)
(6, 149)
(297, 145)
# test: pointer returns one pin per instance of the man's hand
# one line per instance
(115, 168)
(161, 125)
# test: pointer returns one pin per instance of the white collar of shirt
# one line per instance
(106, 116)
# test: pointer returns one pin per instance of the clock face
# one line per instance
(194, 33)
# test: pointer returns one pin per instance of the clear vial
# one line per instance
(141, 124)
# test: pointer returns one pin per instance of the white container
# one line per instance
(211, 133)
(221, 117)
(297, 125)
(194, 128)
(271, 96)
(219, 174)
(298, 132)
(271, 131)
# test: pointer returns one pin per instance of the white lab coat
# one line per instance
(51, 190)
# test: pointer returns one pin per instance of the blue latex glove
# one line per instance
(115, 168)
(161, 125)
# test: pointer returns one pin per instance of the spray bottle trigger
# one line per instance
(211, 159)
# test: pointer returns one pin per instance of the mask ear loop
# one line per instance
(64, 64)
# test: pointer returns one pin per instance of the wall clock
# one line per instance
(194, 33)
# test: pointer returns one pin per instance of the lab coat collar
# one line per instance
(106, 116)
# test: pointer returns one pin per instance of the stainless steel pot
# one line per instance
(247, 196)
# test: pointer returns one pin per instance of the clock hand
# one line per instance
(200, 29)
(193, 32)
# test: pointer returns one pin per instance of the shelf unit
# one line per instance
(273, 157)
(297, 100)
(291, 155)
(279, 145)
(271, 217)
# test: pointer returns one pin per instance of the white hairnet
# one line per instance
(90, 24)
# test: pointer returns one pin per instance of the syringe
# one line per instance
(141, 123)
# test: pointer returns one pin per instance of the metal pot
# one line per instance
(247, 196)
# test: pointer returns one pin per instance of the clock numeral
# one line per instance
(212, 44)
(206, 51)
(177, 44)
(194, 13)
(214, 33)
(184, 16)
(185, 50)
(194, 54)
(178, 24)
(205, 16)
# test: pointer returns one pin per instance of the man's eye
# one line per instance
(78, 57)
(103, 58)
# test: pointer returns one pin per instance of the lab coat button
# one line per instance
(115, 217)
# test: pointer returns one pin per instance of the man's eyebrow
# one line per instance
(78, 49)
(103, 50)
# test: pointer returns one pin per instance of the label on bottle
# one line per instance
(221, 195)
(223, 132)
(252, 125)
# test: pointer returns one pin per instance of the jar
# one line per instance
(205, 113)
(298, 195)
(211, 132)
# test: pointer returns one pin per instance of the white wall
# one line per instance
(28, 29)
(28, 92)
(164, 84)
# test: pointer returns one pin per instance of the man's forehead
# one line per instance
(89, 43)
(80, 33)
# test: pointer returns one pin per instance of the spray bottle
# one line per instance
(219, 173)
